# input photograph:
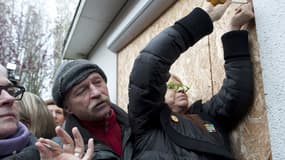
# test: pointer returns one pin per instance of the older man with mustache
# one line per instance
(80, 88)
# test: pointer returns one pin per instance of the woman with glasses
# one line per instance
(163, 126)
(17, 143)
(176, 95)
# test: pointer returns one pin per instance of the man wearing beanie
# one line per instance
(80, 88)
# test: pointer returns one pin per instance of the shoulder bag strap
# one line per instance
(190, 143)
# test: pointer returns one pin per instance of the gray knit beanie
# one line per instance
(70, 74)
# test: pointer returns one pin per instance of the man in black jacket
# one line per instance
(80, 88)
(200, 132)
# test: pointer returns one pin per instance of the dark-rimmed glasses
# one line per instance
(15, 91)
(177, 86)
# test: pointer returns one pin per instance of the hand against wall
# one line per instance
(242, 16)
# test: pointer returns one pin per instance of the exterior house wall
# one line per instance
(270, 24)
(107, 61)
(201, 67)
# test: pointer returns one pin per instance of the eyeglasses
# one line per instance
(177, 86)
(15, 91)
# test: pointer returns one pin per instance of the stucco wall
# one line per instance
(107, 61)
(201, 67)
(270, 16)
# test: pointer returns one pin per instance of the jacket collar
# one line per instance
(73, 121)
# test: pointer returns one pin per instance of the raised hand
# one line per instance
(71, 150)
(216, 11)
(243, 15)
(215, 2)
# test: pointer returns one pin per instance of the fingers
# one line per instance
(238, 10)
(246, 11)
(45, 153)
(49, 144)
(90, 151)
(68, 144)
(48, 149)
(216, 12)
(51, 150)
(223, 7)
(79, 144)
(217, 2)
(227, 3)
(244, 27)
(242, 16)
(75, 147)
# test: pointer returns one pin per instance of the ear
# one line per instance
(66, 109)
(66, 106)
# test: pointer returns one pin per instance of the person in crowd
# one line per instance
(175, 84)
(35, 115)
(16, 142)
(164, 126)
(57, 112)
(80, 88)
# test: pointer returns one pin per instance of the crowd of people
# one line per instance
(81, 123)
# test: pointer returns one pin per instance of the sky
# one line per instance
(49, 11)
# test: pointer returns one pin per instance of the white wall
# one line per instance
(107, 60)
(270, 25)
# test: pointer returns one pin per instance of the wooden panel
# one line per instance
(201, 67)
(251, 138)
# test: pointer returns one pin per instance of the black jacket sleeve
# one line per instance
(235, 97)
(150, 71)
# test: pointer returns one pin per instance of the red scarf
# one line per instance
(107, 131)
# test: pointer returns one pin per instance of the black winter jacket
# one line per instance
(148, 86)
(102, 151)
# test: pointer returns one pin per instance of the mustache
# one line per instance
(94, 103)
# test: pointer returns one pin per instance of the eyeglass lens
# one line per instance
(14, 91)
